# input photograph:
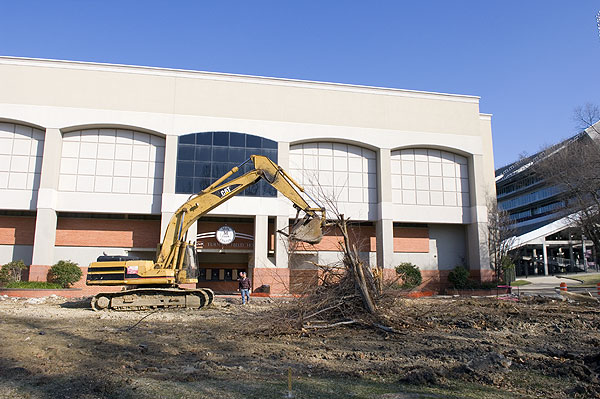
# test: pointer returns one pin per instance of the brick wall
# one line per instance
(483, 275)
(17, 230)
(107, 233)
(406, 239)
(278, 279)
(301, 281)
(433, 280)
(411, 239)
(363, 236)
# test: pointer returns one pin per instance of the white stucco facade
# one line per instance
(103, 139)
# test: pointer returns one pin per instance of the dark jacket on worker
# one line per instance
(245, 283)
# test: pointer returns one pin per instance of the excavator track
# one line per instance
(153, 298)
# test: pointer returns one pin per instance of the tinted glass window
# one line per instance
(202, 169)
(203, 153)
(252, 190)
(187, 139)
(186, 152)
(220, 154)
(237, 139)
(184, 185)
(253, 141)
(271, 154)
(252, 151)
(237, 155)
(199, 185)
(266, 143)
(268, 191)
(221, 138)
(202, 138)
(204, 157)
(185, 168)
(219, 169)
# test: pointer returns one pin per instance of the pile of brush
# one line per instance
(347, 293)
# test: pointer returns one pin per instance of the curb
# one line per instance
(569, 278)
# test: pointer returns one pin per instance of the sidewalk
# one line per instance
(546, 284)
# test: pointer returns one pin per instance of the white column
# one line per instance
(281, 242)
(385, 223)
(45, 237)
(283, 154)
(385, 243)
(545, 253)
(45, 225)
(165, 218)
(261, 235)
(192, 232)
(170, 170)
(478, 254)
(282, 221)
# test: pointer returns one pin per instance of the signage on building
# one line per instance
(225, 235)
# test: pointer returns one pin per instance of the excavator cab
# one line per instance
(190, 263)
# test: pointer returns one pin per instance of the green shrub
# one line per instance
(33, 285)
(65, 273)
(459, 277)
(508, 270)
(485, 285)
(11, 272)
(410, 275)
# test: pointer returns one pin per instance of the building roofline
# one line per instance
(85, 65)
(513, 169)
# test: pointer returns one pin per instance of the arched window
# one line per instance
(21, 149)
(112, 161)
(344, 173)
(202, 158)
(429, 177)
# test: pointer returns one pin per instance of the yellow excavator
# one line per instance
(155, 284)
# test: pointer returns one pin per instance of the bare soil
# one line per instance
(444, 348)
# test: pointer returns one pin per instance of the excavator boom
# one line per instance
(154, 284)
(219, 192)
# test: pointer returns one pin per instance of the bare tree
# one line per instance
(573, 170)
(586, 116)
(501, 234)
(353, 268)
(348, 290)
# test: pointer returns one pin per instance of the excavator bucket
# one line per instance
(307, 230)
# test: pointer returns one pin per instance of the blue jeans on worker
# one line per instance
(245, 296)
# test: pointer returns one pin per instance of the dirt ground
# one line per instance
(445, 348)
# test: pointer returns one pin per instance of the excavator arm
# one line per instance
(308, 229)
(153, 284)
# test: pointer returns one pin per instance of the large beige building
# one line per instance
(96, 158)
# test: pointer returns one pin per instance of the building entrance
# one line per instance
(220, 271)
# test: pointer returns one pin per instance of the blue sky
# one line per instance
(531, 62)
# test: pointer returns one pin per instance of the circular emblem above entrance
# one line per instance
(225, 235)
